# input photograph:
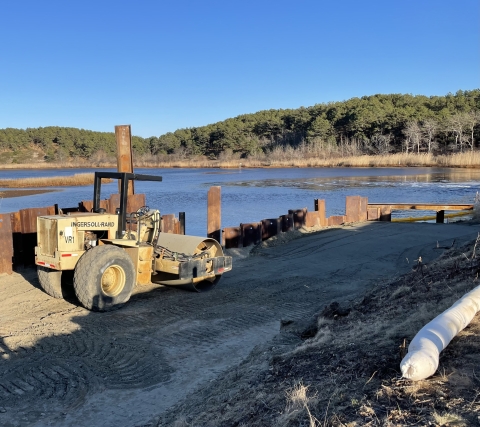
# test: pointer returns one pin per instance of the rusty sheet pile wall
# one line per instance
(357, 209)
(18, 230)
(251, 234)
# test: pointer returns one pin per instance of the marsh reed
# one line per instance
(468, 160)
(292, 159)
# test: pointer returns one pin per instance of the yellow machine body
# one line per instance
(63, 239)
(110, 254)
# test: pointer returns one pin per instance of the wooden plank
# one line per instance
(6, 248)
(214, 212)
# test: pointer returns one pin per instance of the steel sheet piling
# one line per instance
(181, 218)
(169, 224)
(373, 214)
(320, 208)
(214, 213)
(271, 227)
(312, 219)
(6, 248)
(16, 227)
(337, 220)
(134, 202)
(298, 217)
(251, 233)
(232, 237)
(123, 136)
(440, 219)
(287, 222)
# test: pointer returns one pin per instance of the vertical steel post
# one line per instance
(352, 208)
(181, 218)
(214, 213)
(6, 249)
(123, 136)
(96, 193)
(122, 217)
(440, 217)
(320, 208)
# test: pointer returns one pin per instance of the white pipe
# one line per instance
(421, 360)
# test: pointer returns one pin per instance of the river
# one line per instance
(249, 195)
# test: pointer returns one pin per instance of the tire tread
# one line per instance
(86, 267)
(50, 281)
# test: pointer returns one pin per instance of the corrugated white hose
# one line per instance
(421, 360)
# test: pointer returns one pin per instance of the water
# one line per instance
(249, 195)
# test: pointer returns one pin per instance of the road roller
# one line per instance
(104, 256)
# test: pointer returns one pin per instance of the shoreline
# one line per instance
(114, 166)
(8, 194)
(467, 160)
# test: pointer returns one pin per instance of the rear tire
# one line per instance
(50, 281)
(104, 278)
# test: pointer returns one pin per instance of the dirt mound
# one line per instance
(342, 368)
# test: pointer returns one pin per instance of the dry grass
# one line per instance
(461, 160)
(54, 181)
(347, 373)
(471, 159)
(298, 401)
(449, 419)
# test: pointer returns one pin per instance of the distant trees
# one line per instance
(377, 124)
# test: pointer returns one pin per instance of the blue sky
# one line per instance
(163, 65)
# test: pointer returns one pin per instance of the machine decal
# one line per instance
(92, 224)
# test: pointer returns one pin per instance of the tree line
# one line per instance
(376, 124)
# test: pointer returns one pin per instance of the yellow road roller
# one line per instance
(110, 254)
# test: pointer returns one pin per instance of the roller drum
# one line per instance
(186, 249)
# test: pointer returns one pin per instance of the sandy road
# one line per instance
(63, 365)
